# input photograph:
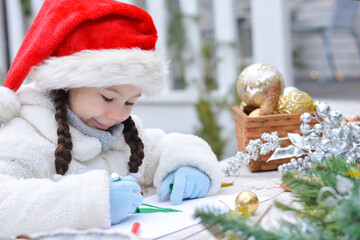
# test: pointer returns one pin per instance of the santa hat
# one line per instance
(85, 43)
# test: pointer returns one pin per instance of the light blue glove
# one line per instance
(125, 197)
(186, 182)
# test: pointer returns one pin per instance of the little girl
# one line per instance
(70, 129)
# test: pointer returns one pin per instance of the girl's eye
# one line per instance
(106, 99)
(129, 103)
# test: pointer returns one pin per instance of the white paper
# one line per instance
(154, 225)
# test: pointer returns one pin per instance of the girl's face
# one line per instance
(102, 108)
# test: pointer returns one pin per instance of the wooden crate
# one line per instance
(248, 128)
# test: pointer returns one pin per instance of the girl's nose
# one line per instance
(115, 114)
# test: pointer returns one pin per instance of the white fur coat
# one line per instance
(34, 198)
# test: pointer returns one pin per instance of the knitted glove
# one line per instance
(187, 182)
(125, 197)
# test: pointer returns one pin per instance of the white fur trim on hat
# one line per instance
(102, 68)
(9, 104)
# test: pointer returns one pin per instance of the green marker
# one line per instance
(171, 186)
(115, 177)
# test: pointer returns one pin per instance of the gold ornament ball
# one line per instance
(255, 113)
(247, 199)
(295, 102)
(255, 81)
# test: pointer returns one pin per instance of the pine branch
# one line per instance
(232, 224)
(327, 215)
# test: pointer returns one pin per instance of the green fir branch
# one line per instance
(316, 218)
(232, 225)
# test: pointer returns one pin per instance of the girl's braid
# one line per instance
(132, 138)
(65, 145)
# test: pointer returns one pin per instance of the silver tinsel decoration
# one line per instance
(325, 139)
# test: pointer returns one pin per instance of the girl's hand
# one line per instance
(125, 197)
(185, 182)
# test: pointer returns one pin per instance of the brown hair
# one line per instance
(132, 138)
(63, 151)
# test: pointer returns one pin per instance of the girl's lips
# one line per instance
(101, 126)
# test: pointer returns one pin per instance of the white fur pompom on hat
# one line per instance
(9, 104)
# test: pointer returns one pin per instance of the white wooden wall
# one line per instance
(174, 110)
(271, 36)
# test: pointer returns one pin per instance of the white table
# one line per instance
(264, 184)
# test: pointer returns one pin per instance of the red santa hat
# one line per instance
(85, 43)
